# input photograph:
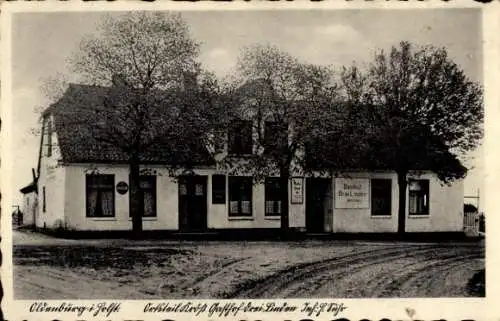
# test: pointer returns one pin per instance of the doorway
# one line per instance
(192, 203)
(319, 205)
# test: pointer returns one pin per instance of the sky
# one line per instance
(43, 42)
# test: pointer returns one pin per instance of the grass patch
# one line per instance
(90, 256)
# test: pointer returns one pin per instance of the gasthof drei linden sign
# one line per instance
(352, 193)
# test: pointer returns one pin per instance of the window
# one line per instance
(240, 138)
(147, 186)
(272, 194)
(240, 196)
(218, 189)
(419, 197)
(198, 190)
(315, 156)
(218, 141)
(44, 208)
(100, 195)
(49, 138)
(381, 197)
(182, 188)
(275, 135)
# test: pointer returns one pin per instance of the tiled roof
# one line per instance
(78, 145)
(29, 188)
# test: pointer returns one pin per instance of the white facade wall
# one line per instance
(445, 209)
(218, 213)
(167, 203)
(29, 208)
(361, 220)
(51, 179)
(166, 198)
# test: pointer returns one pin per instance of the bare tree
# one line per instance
(420, 112)
(143, 67)
(288, 106)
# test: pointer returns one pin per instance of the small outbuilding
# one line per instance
(30, 203)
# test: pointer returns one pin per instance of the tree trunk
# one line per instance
(284, 178)
(135, 198)
(402, 184)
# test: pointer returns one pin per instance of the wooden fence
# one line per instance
(474, 223)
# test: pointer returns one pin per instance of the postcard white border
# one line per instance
(375, 309)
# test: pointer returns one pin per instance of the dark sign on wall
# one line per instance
(218, 189)
(122, 187)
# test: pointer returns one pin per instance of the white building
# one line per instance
(29, 207)
(84, 188)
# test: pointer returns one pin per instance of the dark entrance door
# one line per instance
(316, 192)
(192, 203)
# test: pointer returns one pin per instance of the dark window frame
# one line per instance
(235, 194)
(272, 194)
(240, 138)
(376, 192)
(101, 190)
(275, 135)
(425, 194)
(218, 189)
(313, 155)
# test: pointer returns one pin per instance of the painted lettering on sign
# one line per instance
(352, 193)
(297, 190)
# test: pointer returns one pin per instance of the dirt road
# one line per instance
(177, 270)
(413, 271)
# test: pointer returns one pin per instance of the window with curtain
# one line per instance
(381, 197)
(419, 197)
(240, 196)
(147, 187)
(272, 195)
(100, 190)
